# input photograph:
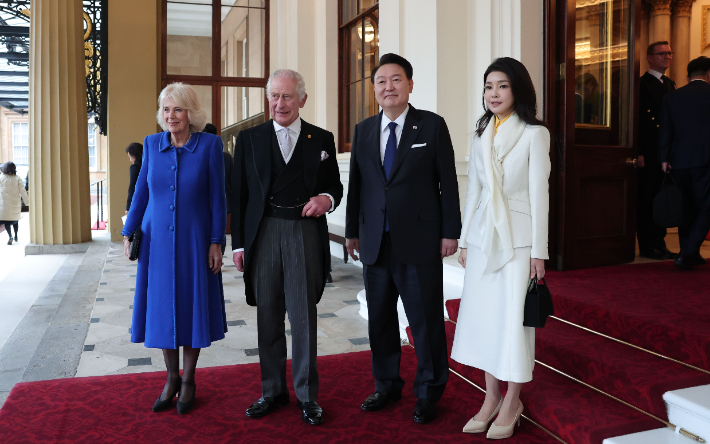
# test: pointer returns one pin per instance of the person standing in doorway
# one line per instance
(654, 86)
(685, 149)
(285, 179)
(402, 219)
(135, 156)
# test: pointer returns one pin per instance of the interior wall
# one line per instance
(132, 93)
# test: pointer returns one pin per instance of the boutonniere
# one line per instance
(323, 156)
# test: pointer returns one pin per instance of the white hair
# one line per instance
(288, 74)
(185, 97)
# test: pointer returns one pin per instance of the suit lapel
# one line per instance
(372, 146)
(311, 154)
(409, 135)
(261, 141)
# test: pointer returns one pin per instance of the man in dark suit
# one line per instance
(403, 218)
(285, 179)
(685, 148)
(654, 86)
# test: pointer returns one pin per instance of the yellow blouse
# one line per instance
(499, 123)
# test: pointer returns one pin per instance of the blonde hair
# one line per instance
(185, 97)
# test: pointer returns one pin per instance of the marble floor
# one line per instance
(108, 349)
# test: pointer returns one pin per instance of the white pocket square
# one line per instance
(323, 156)
(417, 145)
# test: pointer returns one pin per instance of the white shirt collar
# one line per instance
(294, 127)
(702, 80)
(399, 120)
(656, 74)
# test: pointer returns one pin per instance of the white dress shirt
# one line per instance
(294, 130)
(385, 131)
(656, 74)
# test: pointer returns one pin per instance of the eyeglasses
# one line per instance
(664, 54)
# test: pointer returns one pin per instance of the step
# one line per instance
(655, 306)
(689, 408)
(632, 375)
(656, 436)
(571, 411)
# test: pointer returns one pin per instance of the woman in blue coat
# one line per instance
(180, 206)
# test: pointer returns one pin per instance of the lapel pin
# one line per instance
(415, 127)
(309, 136)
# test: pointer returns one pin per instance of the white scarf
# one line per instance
(497, 244)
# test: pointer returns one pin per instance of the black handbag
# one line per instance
(538, 304)
(135, 241)
(668, 204)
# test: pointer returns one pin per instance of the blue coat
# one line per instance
(180, 205)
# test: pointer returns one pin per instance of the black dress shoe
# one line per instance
(165, 404)
(696, 259)
(684, 263)
(652, 254)
(668, 254)
(312, 412)
(424, 411)
(329, 279)
(266, 405)
(378, 400)
(184, 407)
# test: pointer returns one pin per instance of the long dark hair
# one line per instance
(521, 85)
(9, 169)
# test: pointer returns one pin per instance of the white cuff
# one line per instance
(237, 250)
(332, 201)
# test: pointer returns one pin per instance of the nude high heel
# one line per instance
(502, 432)
(473, 426)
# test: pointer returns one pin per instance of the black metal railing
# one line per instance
(100, 193)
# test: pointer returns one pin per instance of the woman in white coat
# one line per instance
(504, 242)
(11, 189)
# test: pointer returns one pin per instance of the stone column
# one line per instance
(660, 23)
(643, 41)
(680, 43)
(59, 159)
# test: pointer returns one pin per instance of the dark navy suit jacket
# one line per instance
(685, 126)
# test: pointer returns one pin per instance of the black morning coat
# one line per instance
(421, 195)
(251, 181)
(685, 126)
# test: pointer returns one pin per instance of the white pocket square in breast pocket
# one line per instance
(323, 156)
(417, 145)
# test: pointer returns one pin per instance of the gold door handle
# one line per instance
(631, 162)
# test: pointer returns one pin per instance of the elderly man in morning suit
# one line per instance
(285, 179)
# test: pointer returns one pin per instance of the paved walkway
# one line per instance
(70, 315)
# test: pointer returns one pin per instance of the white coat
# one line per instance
(11, 189)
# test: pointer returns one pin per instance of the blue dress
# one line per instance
(180, 205)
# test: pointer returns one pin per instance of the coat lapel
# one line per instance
(409, 136)
(261, 151)
(311, 154)
(372, 146)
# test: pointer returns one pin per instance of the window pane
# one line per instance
(355, 99)
(371, 46)
(602, 67)
(242, 46)
(355, 52)
(189, 40)
(370, 106)
(242, 108)
(349, 10)
(204, 94)
(366, 4)
(201, 2)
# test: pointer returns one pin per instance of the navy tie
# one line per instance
(390, 150)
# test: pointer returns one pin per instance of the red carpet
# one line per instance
(101, 225)
(655, 306)
(116, 409)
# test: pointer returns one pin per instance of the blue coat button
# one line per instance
(173, 168)
(172, 187)
(179, 150)
(172, 207)
(171, 228)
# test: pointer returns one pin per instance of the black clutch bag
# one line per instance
(668, 204)
(538, 304)
(135, 241)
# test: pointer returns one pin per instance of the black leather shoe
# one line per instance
(424, 411)
(652, 254)
(312, 412)
(184, 407)
(266, 405)
(684, 263)
(668, 254)
(165, 404)
(378, 400)
(696, 259)
(329, 279)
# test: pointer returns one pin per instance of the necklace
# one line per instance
(172, 140)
